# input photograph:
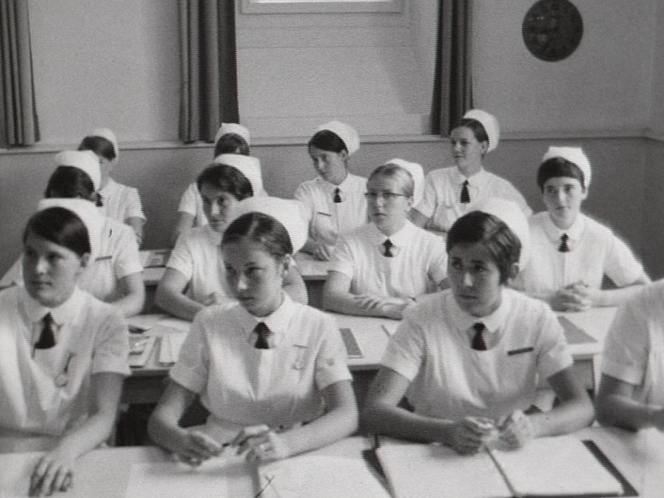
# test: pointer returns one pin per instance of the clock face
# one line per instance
(552, 29)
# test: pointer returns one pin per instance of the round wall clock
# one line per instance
(552, 29)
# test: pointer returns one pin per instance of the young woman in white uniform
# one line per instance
(568, 274)
(451, 192)
(116, 274)
(334, 200)
(120, 202)
(468, 359)
(60, 383)
(272, 390)
(365, 278)
(231, 138)
(631, 392)
(195, 275)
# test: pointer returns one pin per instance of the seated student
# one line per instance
(572, 252)
(194, 276)
(334, 201)
(468, 359)
(115, 275)
(64, 353)
(231, 138)
(271, 372)
(631, 391)
(120, 202)
(383, 267)
(451, 192)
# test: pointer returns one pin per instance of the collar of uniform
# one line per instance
(278, 321)
(574, 232)
(107, 189)
(474, 180)
(61, 315)
(399, 239)
(329, 187)
(493, 322)
(211, 235)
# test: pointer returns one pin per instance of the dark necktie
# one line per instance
(478, 341)
(388, 248)
(263, 333)
(563, 243)
(47, 337)
(337, 195)
(465, 195)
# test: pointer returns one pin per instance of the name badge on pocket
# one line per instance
(520, 351)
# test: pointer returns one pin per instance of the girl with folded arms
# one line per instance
(64, 353)
(468, 359)
(271, 372)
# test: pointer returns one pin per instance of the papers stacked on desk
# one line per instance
(171, 343)
(554, 466)
(140, 347)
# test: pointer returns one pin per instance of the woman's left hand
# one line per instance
(515, 431)
(260, 443)
(54, 472)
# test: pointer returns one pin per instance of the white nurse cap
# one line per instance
(235, 128)
(417, 173)
(85, 160)
(490, 124)
(574, 155)
(286, 211)
(108, 135)
(345, 132)
(88, 214)
(511, 214)
(247, 165)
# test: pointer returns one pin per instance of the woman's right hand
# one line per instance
(193, 447)
(470, 434)
(322, 252)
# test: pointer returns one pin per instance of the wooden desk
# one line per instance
(105, 473)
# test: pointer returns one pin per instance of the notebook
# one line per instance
(352, 347)
(171, 343)
(140, 347)
(573, 333)
(554, 466)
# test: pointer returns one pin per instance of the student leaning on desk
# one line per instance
(572, 252)
(468, 358)
(380, 268)
(271, 372)
(631, 392)
(64, 353)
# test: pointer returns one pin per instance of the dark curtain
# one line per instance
(18, 124)
(452, 92)
(208, 91)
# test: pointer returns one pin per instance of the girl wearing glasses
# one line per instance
(64, 353)
(451, 192)
(334, 201)
(381, 268)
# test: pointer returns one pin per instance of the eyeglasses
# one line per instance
(386, 196)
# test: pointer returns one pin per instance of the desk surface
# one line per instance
(104, 473)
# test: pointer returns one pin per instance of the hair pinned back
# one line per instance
(70, 182)
(228, 179)
(100, 146)
(403, 177)
(478, 227)
(558, 167)
(62, 227)
(260, 228)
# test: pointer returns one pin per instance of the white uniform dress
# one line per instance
(326, 218)
(595, 251)
(117, 258)
(46, 392)
(449, 379)
(197, 255)
(191, 203)
(241, 385)
(442, 195)
(418, 266)
(121, 202)
(634, 346)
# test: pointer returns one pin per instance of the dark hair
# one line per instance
(327, 140)
(476, 127)
(263, 229)
(478, 227)
(70, 182)
(227, 178)
(402, 175)
(60, 226)
(231, 143)
(556, 167)
(101, 146)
